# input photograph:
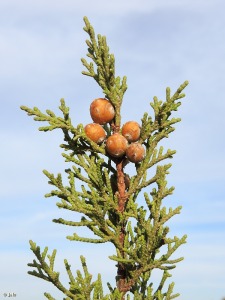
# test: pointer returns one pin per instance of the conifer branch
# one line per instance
(104, 75)
(48, 296)
(81, 287)
(76, 139)
(161, 125)
(83, 222)
(77, 238)
(90, 207)
(45, 270)
(106, 197)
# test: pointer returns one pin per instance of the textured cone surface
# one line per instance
(135, 152)
(116, 145)
(102, 111)
(95, 132)
(131, 131)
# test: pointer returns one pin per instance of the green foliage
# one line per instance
(104, 75)
(93, 190)
(81, 287)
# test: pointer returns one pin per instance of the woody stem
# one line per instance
(122, 199)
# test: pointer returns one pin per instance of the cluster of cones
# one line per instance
(117, 144)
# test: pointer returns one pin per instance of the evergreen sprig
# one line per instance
(81, 287)
(74, 137)
(107, 199)
(112, 86)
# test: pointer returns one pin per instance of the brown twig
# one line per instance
(122, 199)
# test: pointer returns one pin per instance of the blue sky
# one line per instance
(156, 44)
